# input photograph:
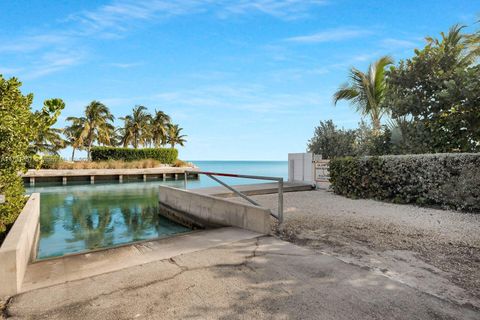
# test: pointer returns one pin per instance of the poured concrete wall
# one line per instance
(18, 247)
(216, 211)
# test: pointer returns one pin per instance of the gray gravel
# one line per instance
(435, 251)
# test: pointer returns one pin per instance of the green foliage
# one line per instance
(50, 161)
(438, 91)
(366, 91)
(331, 142)
(136, 130)
(447, 180)
(47, 139)
(175, 136)
(15, 134)
(18, 129)
(95, 126)
(164, 155)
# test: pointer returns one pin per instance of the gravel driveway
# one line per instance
(435, 251)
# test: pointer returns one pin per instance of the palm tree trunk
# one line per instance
(73, 153)
(376, 124)
(89, 151)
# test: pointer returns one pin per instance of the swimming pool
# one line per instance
(81, 218)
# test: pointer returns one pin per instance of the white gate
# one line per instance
(300, 167)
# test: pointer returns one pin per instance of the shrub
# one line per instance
(180, 164)
(447, 180)
(18, 128)
(164, 155)
(51, 162)
(15, 123)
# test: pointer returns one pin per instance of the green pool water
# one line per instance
(81, 218)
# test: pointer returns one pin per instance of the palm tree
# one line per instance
(136, 129)
(48, 141)
(366, 91)
(175, 136)
(73, 133)
(96, 124)
(159, 127)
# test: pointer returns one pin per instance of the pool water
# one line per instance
(81, 218)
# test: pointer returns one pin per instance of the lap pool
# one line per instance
(79, 218)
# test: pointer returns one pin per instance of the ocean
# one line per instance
(258, 168)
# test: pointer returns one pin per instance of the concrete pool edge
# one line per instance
(75, 267)
(19, 247)
(213, 210)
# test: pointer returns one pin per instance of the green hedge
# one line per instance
(447, 180)
(164, 155)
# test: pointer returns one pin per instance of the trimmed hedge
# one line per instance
(446, 180)
(164, 155)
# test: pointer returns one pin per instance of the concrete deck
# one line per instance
(92, 175)
(254, 189)
(104, 172)
(73, 267)
(262, 278)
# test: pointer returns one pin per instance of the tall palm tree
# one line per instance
(175, 136)
(366, 91)
(136, 129)
(97, 125)
(159, 127)
(73, 133)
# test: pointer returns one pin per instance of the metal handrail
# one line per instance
(212, 175)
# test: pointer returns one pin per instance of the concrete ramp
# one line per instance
(195, 209)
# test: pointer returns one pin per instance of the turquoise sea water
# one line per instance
(83, 217)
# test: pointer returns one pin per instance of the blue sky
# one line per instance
(246, 79)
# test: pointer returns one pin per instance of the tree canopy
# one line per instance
(438, 91)
(20, 127)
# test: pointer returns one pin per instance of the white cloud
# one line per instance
(51, 62)
(32, 43)
(285, 9)
(118, 16)
(331, 35)
(9, 71)
(392, 43)
(125, 65)
(115, 20)
(250, 98)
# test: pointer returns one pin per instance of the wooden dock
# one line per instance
(91, 175)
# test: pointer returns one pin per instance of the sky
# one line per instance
(246, 79)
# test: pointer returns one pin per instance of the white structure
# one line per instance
(307, 167)
(300, 167)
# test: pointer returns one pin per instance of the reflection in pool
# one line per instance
(79, 218)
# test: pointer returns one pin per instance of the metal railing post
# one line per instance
(233, 190)
(185, 180)
(212, 175)
(280, 200)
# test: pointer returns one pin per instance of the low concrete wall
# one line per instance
(215, 211)
(18, 247)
